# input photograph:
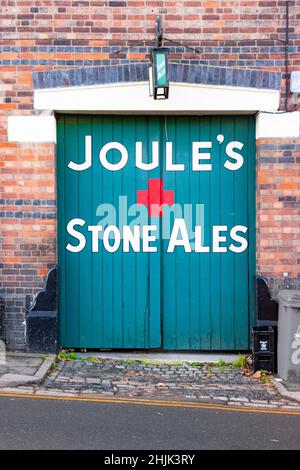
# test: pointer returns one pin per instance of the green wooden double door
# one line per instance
(156, 231)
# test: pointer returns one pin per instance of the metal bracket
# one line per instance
(158, 32)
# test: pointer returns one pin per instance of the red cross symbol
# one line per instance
(155, 197)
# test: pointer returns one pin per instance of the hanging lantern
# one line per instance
(158, 73)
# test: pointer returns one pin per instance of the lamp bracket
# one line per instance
(158, 32)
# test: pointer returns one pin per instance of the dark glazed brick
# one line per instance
(204, 74)
(52, 80)
(266, 79)
(126, 73)
(59, 80)
(277, 81)
(116, 3)
(222, 76)
(228, 77)
(191, 74)
(259, 79)
(113, 74)
(185, 73)
(65, 78)
(62, 42)
(172, 72)
(41, 79)
(101, 74)
(289, 146)
(95, 75)
(132, 70)
(120, 74)
(240, 77)
(138, 71)
(83, 76)
(216, 76)
(272, 80)
(72, 77)
(107, 75)
(253, 79)
(35, 79)
(247, 78)
(139, 74)
(285, 160)
(234, 77)
(197, 75)
(78, 77)
(179, 74)
(145, 73)
(210, 75)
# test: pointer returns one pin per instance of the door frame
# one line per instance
(251, 245)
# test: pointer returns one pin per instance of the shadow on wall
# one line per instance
(41, 317)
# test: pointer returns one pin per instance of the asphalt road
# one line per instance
(27, 423)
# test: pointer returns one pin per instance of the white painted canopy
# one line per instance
(134, 98)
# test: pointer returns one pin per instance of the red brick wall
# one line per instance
(52, 34)
(28, 227)
(42, 35)
(277, 211)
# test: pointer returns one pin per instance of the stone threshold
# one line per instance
(161, 357)
(14, 380)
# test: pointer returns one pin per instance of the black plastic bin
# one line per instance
(263, 339)
(264, 348)
(264, 362)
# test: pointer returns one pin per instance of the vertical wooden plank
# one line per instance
(155, 128)
(204, 181)
(107, 266)
(142, 295)
(97, 258)
(169, 309)
(85, 256)
(61, 219)
(194, 258)
(216, 219)
(72, 264)
(117, 257)
(182, 258)
(129, 274)
(227, 201)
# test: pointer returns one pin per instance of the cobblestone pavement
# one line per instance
(191, 382)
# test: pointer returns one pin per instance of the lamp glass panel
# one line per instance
(161, 70)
